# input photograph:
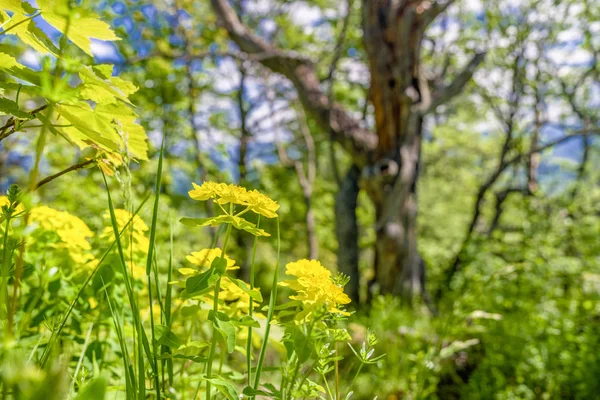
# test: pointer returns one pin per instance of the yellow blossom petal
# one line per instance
(314, 288)
(205, 257)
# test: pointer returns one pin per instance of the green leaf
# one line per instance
(250, 392)
(95, 130)
(225, 387)
(13, 67)
(193, 222)
(108, 126)
(11, 5)
(237, 222)
(7, 62)
(220, 265)
(10, 107)
(189, 311)
(165, 336)
(196, 359)
(28, 32)
(134, 135)
(225, 327)
(94, 390)
(247, 320)
(98, 85)
(199, 282)
(254, 293)
(82, 25)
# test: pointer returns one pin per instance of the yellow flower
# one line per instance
(315, 288)
(261, 204)
(4, 202)
(233, 194)
(208, 190)
(225, 194)
(205, 257)
(72, 231)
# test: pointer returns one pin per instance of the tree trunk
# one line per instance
(393, 32)
(244, 245)
(311, 229)
(346, 230)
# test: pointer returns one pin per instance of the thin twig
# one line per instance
(6, 131)
(64, 171)
(337, 54)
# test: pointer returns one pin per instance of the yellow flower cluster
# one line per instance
(315, 288)
(205, 257)
(225, 194)
(72, 231)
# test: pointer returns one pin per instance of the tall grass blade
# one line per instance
(272, 301)
(149, 265)
(251, 307)
(168, 302)
(132, 303)
(129, 373)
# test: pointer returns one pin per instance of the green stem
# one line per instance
(327, 386)
(151, 252)
(298, 365)
(305, 377)
(4, 289)
(250, 307)
(213, 344)
(356, 375)
(244, 212)
(272, 300)
(154, 347)
(20, 22)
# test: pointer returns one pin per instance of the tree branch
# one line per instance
(457, 85)
(436, 9)
(346, 130)
(337, 54)
(64, 171)
(10, 126)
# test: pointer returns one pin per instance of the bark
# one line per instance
(192, 112)
(346, 230)
(306, 177)
(393, 33)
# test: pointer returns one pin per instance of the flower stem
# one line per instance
(327, 387)
(5, 262)
(213, 344)
(272, 300)
(250, 307)
(337, 373)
